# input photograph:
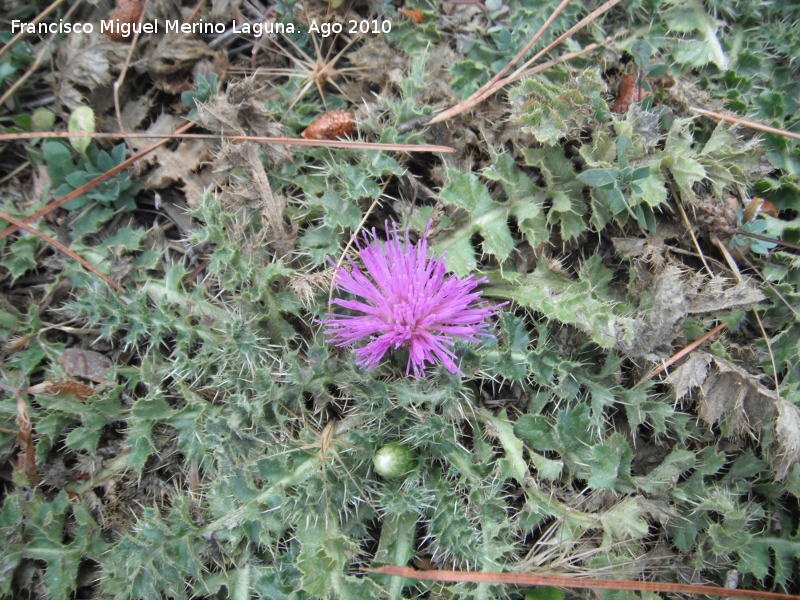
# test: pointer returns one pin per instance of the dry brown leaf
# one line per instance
(787, 428)
(179, 164)
(51, 387)
(86, 364)
(174, 54)
(165, 123)
(690, 374)
(731, 393)
(414, 15)
(175, 166)
(133, 113)
(87, 64)
(658, 326)
(715, 296)
(676, 296)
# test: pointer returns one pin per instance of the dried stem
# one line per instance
(61, 247)
(561, 59)
(279, 141)
(545, 26)
(571, 582)
(769, 350)
(352, 239)
(15, 172)
(590, 18)
(723, 248)
(36, 63)
(689, 228)
(484, 90)
(26, 461)
(196, 11)
(766, 238)
(349, 244)
(745, 123)
(25, 76)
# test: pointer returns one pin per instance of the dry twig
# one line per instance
(36, 63)
(745, 123)
(280, 141)
(61, 247)
(121, 79)
(679, 355)
(496, 83)
(26, 459)
(571, 582)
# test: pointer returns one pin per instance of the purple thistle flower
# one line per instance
(406, 301)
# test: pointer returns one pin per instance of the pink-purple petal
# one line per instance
(404, 299)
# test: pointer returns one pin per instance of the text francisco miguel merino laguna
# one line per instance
(166, 26)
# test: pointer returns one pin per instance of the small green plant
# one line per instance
(103, 201)
(206, 88)
(621, 189)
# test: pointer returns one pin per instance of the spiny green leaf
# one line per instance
(689, 17)
(512, 445)
(561, 299)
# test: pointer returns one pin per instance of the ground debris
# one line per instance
(87, 65)
(676, 296)
(168, 63)
(239, 112)
(731, 394)
(86, 364)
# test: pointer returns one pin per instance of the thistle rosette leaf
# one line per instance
(406, 301)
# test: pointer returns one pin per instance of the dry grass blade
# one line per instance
(745, 123)
(689, 228)
(561, 59)
(590, 18)
(281, 141)
(766, 238)
(27, 454)
(96, 181)
(571, 582)
(25, 76)
(349, 245)
(61, 247)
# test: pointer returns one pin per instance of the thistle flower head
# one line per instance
(404, 300)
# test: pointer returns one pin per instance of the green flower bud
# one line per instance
(394, 460)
